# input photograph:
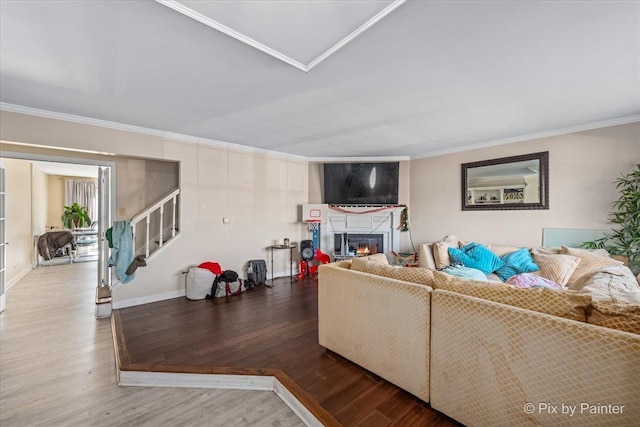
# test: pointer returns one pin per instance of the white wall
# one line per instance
(582, 167)
(39, 200)
(260, 192)
(18, 220)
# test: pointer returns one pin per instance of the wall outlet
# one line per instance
(226, 220)
(122, 211)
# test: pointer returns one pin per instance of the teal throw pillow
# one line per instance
(516, 262)
(478, 256)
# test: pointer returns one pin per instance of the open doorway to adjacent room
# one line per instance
(36, 190)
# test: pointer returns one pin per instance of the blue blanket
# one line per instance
(122, 254)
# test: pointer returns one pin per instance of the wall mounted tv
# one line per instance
(361, 183)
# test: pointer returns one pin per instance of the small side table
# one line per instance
(290, 247)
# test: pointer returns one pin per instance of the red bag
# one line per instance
(213, 267)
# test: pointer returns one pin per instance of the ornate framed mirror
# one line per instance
(508, 183)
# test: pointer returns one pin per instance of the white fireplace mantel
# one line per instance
(334, 219)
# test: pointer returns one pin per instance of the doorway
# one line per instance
(29, 199)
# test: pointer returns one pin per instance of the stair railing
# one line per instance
(145, 215)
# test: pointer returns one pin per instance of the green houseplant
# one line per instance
(75, 216)
(625, 213)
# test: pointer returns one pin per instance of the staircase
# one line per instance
(153, 228)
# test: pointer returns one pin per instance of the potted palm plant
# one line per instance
(625, 239)
(75, 216)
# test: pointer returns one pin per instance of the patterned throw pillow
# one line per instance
(561, 303)
(516, 262)
(478, 256)
(589, 261)
(530, 280)
(557, 268)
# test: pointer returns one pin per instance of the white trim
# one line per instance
(364, 27)
(537, 135)
(174, 379)
(186, 139)
(177, 137)
(294, 404)
(178, 7)
(146, 299)
(3, 302)
(18, 277)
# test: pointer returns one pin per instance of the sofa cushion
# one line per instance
(441, 251)
(421, 276)
(531, 280)
(560, 303)
(557, 267)
(516, 262)
(499, 250)
(478, 256)
(589, 261)
(557, 250)
(358, 263)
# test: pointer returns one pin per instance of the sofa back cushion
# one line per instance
(560, 303)
(421, 276)
(499, 250)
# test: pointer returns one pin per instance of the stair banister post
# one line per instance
(173, 220)
(161, 224)
(148, 237)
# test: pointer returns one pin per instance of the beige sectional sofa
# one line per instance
(513, 360)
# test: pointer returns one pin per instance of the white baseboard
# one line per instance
(172, 379)
(16, 279)
(294, 404)
(147, 299)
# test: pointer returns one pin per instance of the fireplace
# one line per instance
(358, 244)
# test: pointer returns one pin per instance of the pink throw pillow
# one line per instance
(531, 280)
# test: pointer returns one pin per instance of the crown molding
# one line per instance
(536, 135)
(178, 7)
(177, 137)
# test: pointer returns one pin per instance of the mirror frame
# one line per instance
(543, 176)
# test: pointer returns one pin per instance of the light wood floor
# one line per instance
(57, 367)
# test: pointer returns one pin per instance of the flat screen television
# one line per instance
(361, 183)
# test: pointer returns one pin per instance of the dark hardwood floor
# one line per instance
(265, 332)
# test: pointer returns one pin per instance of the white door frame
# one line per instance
(3, 244)
(111, 176)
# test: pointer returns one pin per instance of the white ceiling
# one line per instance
(431, 77)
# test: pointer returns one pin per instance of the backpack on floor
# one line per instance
(226, 284)
(256, 273)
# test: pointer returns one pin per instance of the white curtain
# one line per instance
(84, 193)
